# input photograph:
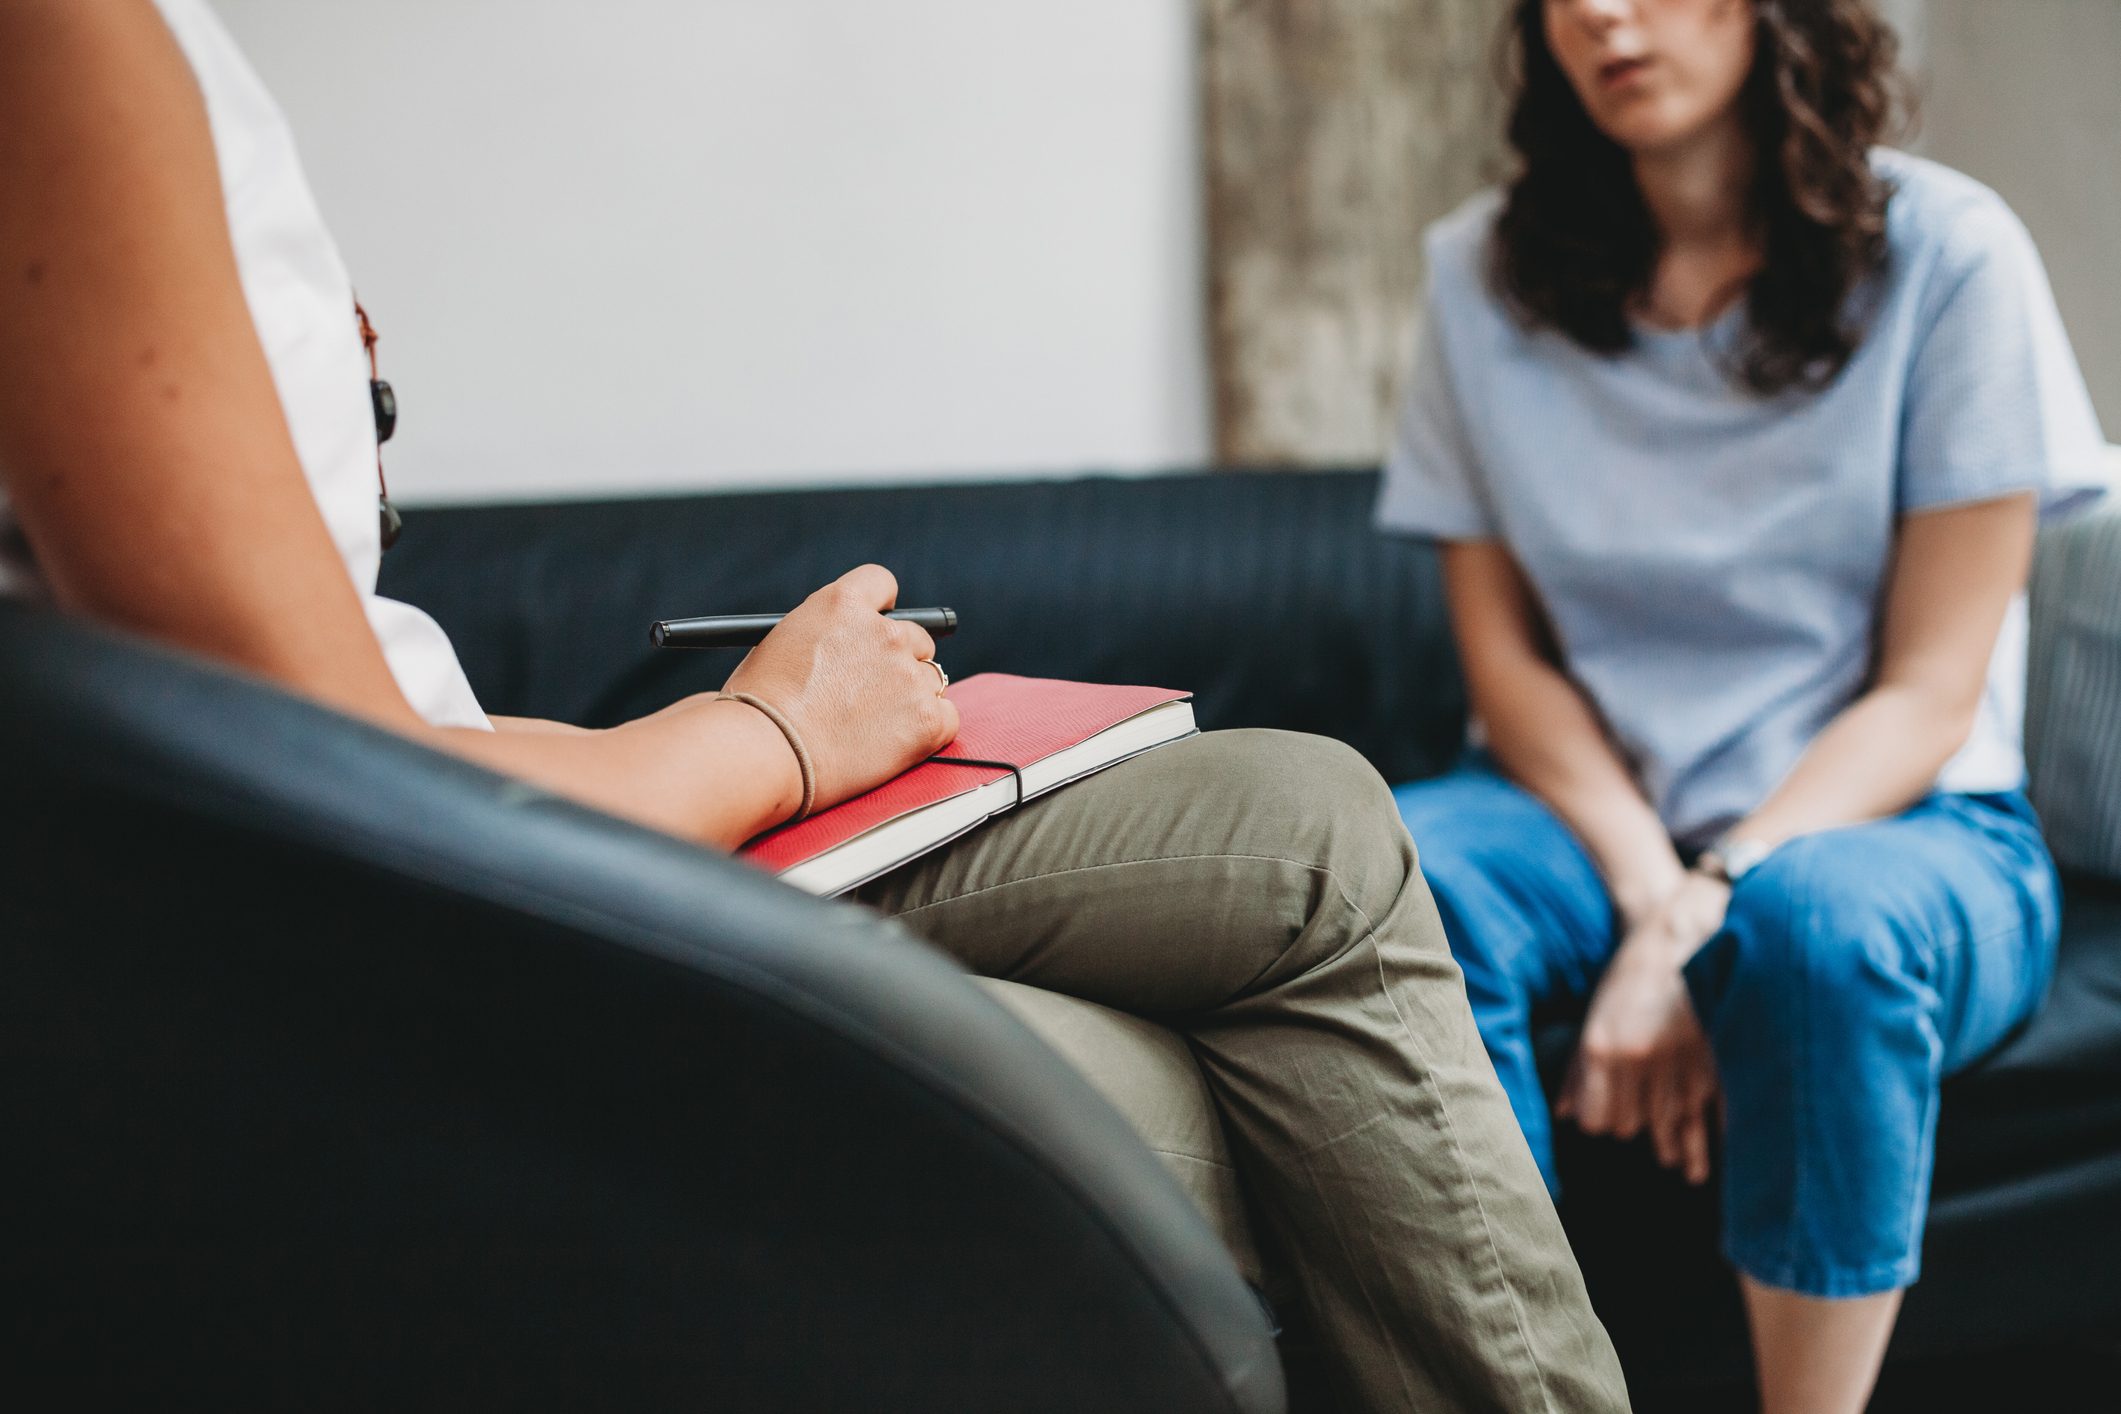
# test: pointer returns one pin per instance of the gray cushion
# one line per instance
(2073, 705)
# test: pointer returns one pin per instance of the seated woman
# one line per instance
(188, 451)
(1735, 429)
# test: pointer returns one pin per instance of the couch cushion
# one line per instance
(2073, 700)
(1268, 596)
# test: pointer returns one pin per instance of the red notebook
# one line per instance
(1052, 732)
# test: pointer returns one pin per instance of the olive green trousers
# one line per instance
(1256, 893)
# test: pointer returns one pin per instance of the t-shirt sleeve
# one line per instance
(1432, 481)
(1995, 400)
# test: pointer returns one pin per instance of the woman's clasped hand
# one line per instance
(1644, 1061)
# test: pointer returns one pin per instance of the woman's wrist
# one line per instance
(1689, 916)
(1640, 891)
(1628, 844)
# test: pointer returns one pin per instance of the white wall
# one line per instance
(2026, 96)
(667, 244)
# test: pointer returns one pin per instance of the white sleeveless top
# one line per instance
(301, 301)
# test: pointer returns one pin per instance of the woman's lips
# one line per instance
(1620, 72)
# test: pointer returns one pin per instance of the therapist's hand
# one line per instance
(853, 684)
(1644, 1061)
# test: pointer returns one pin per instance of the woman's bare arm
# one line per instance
(140, 432)
(145, 451)
(1544, 733)
(1643, 1061)
(536, 725)
(1954, 574)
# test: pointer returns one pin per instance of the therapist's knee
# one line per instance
(1328, 808)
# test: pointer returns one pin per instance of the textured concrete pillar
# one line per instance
(1335, 130)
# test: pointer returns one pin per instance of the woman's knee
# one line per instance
(1492, 852)
(1811, 938)
(1470, 824)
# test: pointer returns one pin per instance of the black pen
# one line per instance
(748, 630)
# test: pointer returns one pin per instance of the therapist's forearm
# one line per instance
(1880, 756)
(537, 725)
(714, 772)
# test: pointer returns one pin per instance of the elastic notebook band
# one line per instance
(795, 744)
(990, 765)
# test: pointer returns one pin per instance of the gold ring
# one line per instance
(945, 687)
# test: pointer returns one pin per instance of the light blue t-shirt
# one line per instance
(1712, 561)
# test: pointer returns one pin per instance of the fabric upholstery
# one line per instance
(1265, 595)
(1271, 595)
(2073, 710)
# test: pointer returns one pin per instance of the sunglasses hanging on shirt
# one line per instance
(384, 402)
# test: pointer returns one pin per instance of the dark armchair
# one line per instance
(341, 1074)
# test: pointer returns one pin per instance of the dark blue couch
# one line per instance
(1271, 598)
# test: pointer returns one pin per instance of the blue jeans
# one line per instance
(1855, 970)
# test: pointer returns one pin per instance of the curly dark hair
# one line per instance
(1575, 246)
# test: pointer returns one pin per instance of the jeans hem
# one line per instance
(1830, 1283)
